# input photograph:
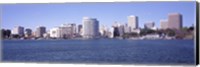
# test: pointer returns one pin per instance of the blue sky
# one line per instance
(52, 15)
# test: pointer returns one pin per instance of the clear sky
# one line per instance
(52, 15)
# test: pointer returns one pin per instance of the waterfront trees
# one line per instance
(132, 34)
(5, 33)
(147, 31)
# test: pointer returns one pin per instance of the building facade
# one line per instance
(67, 31)
(102, 30)
(80, 29)
(40, 31)
(18, 30)
(63, 31)
(73, 28)
(133, 22)
(55, 32)
(90, 27)
(163, 24)
(127, 29)
(174, 21)
(121, 30)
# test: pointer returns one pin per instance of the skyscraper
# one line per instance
(67, 30)
(174, 21)
(18, 30)
(116, 32)
(40, 31)
(118, 29)
(121, 30)
(127, 29)
(90, 27)
(163, 24)
(73, 25)
(80, 27)
(133, 22)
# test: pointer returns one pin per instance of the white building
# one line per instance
(127, 29)
(68, 29)
(55, 32)
(133, 22)
(46, 35)
(163, 24)
(111, 32)
(90, 27)
(102, 30)
(18, 30)
(121, 30)
(118, 28)
(63, 31)
(40, 30)
(72, 27)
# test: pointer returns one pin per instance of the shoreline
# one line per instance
(99, 39)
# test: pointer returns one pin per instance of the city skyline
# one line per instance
(44, 15)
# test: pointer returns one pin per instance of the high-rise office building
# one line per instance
(149, 25)
(104, 31)
(18, 30)
(28, 32)
(121, 30)
(90, 27)
(80, 27)
(174, 21)
(40, 31)
(127, 29)
(73, 27)
(133, 22)
(67, 30)
(163, 24)
(118, 29)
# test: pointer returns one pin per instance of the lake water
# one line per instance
(106, 51)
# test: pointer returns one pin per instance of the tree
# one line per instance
(170, 32)
(15, 36)
(191, 28)
(147, 31)
(8, 33)
(160, 32)
(132, 34)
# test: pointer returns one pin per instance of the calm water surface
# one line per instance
(109, 51)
